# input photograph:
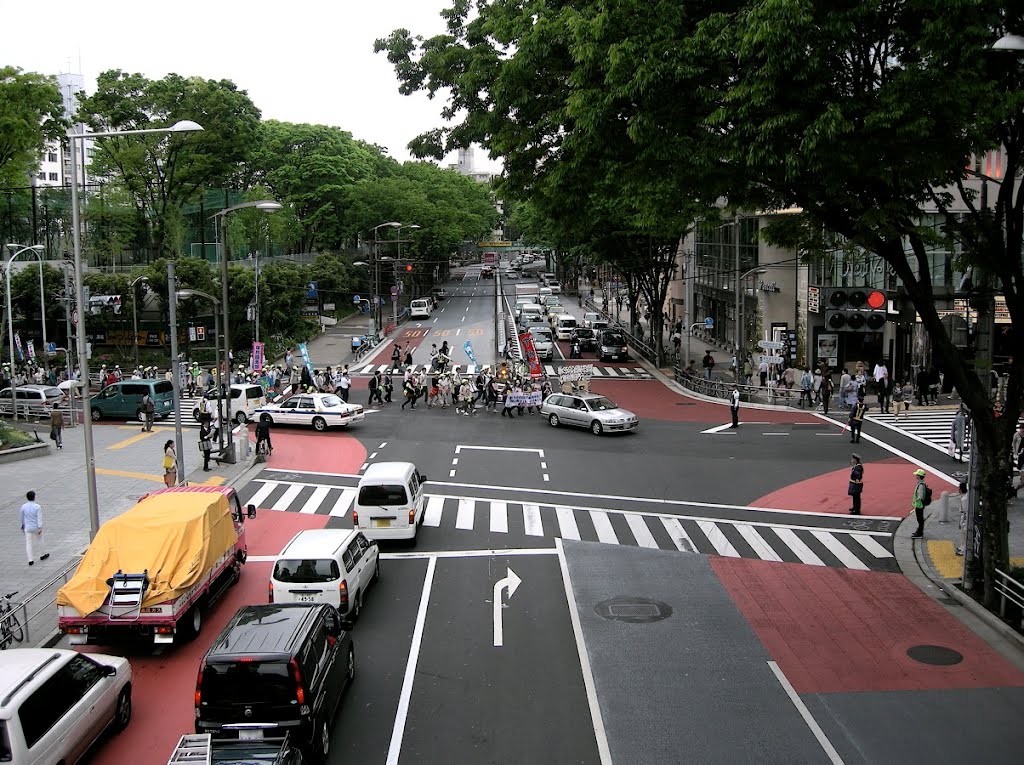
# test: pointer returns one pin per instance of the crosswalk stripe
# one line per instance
(868, 543)
(318, 496)
(678, 534)
(432, 516)
(531, 520)
(344, 503)
(603, 527)
(550, 370)
(368, 369)
(499, 517)
(717, 539)
(802, 551)
(610, 371)
(641, 533)
(464, 519)
(833, 545)
(567, 523)
(757, 543)
(262, 493)
(287, 498)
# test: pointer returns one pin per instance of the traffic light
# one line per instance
(408, 268)
(856, 309)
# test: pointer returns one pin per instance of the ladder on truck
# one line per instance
(193, 748)
(127, 592)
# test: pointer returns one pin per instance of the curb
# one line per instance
(915, 566)
(19, 453)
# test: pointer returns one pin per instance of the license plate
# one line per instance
(250, 734)
(307, 598)
(382, 523)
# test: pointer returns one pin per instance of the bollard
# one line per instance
(944, 509)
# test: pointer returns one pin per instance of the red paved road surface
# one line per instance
(297, 448)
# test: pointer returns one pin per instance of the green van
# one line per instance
(123, 400)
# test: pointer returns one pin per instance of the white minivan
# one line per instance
(565, 325)
(389, 501)
(421, 308)
(334, 566)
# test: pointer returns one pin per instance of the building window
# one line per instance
(53, 176)
(51, 156)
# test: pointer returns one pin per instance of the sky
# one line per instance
(306, 61)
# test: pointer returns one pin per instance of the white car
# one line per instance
(590, 317)
(244, 400)
(321, 410)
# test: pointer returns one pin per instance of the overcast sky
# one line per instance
(304, 61)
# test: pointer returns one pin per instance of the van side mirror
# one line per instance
(251, 510)
(422, 478)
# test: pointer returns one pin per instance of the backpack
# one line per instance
(148, 402)
(927, 495)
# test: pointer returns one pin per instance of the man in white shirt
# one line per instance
(734, 406)
(32, 525)
(881, 375)
(343, 384)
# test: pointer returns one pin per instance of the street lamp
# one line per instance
(376, 273)
(18, 249)
(175, 364)
(135, 316)
(182, 126)
(264, 205)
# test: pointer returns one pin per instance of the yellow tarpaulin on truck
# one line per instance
(176, 535)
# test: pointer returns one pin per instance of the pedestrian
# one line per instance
(857, 418)
(57, 427)
(897, 398)
(734, 406)
(375, 386)
(170, 464)
(919, 501)
(964, 508)
(881, 375)
(32, 525)
(344, 384)
(305, 380)
(708, 362)
(408, 354)
(509, 408)
(957, 431)
(389, 389)
(827, 388)
(762, 372)
(289, 361)
(148, 410)
(357, 343)
(1017, 447)
(856, 487)
(206, 445)
(806, 388)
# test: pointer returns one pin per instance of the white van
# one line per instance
(389, 501)
(333, 566)
(421, 308)
(564, 326)
(528, 312)
(543, 292)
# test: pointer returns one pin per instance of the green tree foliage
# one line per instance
(163, 171)
(31, 113)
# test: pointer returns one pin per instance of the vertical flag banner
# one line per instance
(468, 348)
(304, 352)
(257, 357)
(532, 362)
(17, 347)
(31, 348)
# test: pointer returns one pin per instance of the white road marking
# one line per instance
(398, 731)
(287, 498)
(774, 434)
(451, 473)
(603, 527)
(678, 534)
(318, 495)
(499, 517)
(794, 543)
(455, 460)
(819, 734)
(756, 541)
(263, 492)
(641, 533)
(717, 539)
(567, 523)
(538, 452)
(546, 478)
(835, 547)
(869, 544)
(532, 520)
(464, 519)
(373, 456)
(432, 515)
(462, 553)
(341, 507)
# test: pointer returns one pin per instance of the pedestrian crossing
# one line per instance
(526, 521)
(470, 370)
(929, 426)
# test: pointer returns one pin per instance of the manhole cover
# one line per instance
(633, 610)
(937, 655)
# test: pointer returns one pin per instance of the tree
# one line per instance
(31, 114)
(163, 171)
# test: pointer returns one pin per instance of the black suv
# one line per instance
(283, 663)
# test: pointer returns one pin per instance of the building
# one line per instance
(55, 166)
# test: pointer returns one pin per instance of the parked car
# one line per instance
(55, 703)
(35, 400)
(587, 410)
(321, 410)
(123, 400)
(613, 345)
(243, 401)
(439, 294)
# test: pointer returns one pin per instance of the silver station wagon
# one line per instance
(587, 410)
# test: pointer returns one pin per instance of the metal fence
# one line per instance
(38, 612)
(1011, 590)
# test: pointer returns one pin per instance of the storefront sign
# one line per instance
(769, 287)
(813, 300)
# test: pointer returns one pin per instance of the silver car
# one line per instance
(542, 342)
(587, 410)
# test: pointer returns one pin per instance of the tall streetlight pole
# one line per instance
(18, 249)
(740, 315)
(135, 316)
(265, 205)
(376, 272)
(182, 126)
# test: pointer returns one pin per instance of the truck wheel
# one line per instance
(319, 424)
(192, 623)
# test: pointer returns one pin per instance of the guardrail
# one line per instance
(1011, 590)
(751, 394)
(38, 612)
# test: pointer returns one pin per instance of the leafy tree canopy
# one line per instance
(31, 113)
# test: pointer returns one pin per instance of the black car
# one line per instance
(613, 345)
(283, 663)
(587, 338)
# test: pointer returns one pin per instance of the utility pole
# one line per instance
(172, 308)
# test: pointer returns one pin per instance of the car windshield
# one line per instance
(600, 404)
(544, 337)
(242, 681)
(306, 570)
(382, 494)
(584, 332)
(330, 401)
(613, 338)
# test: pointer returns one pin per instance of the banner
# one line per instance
(257, 357)
(304, 352)
(17, 347)
(575, 373)
(525, 399)
(30, 346)
(468, 348)
(531, 355)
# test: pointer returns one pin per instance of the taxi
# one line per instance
(321, 410)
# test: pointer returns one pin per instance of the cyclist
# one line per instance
(263, 435)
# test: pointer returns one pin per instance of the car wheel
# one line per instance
(319, 424)
(553, 420)
(241, 419)
(357, 607)
(595, 428)
(95, 414)
(322, 743)
(123, 710)
(350, 664)
(376, 571)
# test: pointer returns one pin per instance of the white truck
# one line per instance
(527, 290)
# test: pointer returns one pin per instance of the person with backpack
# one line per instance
(826, 390)
(148, 411)
(806, 392)
(921, 498)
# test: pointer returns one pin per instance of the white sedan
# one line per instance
(321, 410)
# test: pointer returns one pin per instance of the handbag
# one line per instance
(53, 434)
(205, 446)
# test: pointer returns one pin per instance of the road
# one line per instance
(683, 593)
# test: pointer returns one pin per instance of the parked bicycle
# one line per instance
(10, 627)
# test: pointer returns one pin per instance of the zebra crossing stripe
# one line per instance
(464, 520)
(761, 548)
(717, 539)
(344, 503)
(833, 545)
(531, 520)
(368, 369)
(869, 544)
(641, 533)
(432, 515)
(319, 494)
(499, 517)
(263, 492)
(550, 370)
(802, 551)
(287, 498)
(678, 534)
(567, 523)
(603, 527)
(610, 371)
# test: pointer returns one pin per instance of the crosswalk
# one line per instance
(858, 550)
(470, 370)
(928, 426)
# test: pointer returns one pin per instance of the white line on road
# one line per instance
(869, 544)
(341, 507)
(641, 533)
(717, 538)
(373, 456)
(803, 552)
(432, 515)
(318, 495)
(538, 452)
(678, 534)
(499, 517)
(531, 520)
(567, 523)
(464, 519)
(600, 736)
(603, 527)
(398, 732)
(819, 734)
(757, 543)
(287, 498)
(774, 434)
(835, 547)
(459, 553)
(263, 492)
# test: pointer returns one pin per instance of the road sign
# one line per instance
(356, 299)
(769, 359)
(394, 289)
(709, 322)
(771, 345)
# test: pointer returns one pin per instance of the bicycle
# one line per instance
(10, 627)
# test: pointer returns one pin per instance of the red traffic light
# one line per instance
(876, 299)
(408, 268)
